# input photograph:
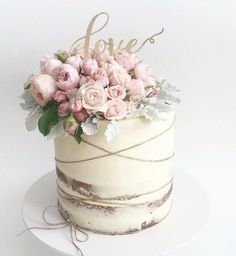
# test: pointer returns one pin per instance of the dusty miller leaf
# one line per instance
(111, 131)
(90, 126)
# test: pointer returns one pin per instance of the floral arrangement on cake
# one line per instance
(72, 93)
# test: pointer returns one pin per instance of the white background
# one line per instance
(197, 53)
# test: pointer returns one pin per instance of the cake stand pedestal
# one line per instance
(189, 214)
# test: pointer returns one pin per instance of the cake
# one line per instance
(117, 194)
(113, 126)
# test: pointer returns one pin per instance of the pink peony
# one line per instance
(50, 65)
(117, 92)
(74, 61)
(90, 66)
(93, 95)
(67, 77)
(144, 72)
(75, 105)
(118, 75)
(136, 88)
(81, 115)
(59, 96)
(70, 129)
(126, 60)
(101, 75)
(42, 88)
(116, 109)
(63, 109)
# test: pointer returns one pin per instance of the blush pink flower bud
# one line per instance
(153, 92)
(70, 129)
(90, 66)
(116, 110)
(59, 96)
(75, 105)
(63, 109)
(81, 115)
(117, 92)
(136, 88)
(67, 77)
(101, 75)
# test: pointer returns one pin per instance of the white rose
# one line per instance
(93, 95)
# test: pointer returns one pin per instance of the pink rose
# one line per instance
(144, 72)
(74, 61)
(90, 66)
(101, 75)
(80, 116)
(59, 96)
(117, 92)
(67, 77)
(117, 109)
(136, 88)
(63, 109)
(50, 65)
(75, 105)
(42, 88)
(70, 129)
(126, 60)
(93, 95)
(118, 75)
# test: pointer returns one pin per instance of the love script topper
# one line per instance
(101, 45)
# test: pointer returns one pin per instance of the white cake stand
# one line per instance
(189, 214)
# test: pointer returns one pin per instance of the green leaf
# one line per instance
(48, 105)
(61, 57)
(78, 133)
(48, 119)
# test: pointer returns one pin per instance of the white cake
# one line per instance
(118, 193)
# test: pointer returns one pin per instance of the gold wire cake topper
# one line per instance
(101, 45)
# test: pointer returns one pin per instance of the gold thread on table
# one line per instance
(117, 153)
(60, 225)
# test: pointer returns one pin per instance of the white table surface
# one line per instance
(197, 53)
